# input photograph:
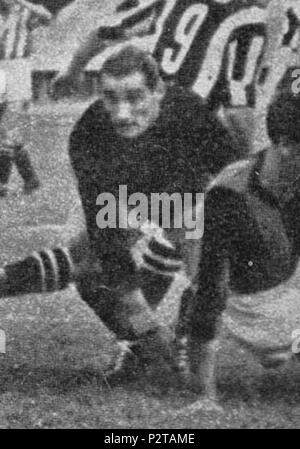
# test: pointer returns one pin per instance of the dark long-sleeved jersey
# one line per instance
(186, 143)
(175, 155)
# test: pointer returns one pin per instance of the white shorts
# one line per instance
(266, 323)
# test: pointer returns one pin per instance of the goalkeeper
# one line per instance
(149, 137)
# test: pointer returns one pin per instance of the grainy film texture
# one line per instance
(149, 192)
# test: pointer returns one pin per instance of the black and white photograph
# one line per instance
(150, 216)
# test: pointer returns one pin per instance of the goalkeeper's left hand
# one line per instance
(155, 252)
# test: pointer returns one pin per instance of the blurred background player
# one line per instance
(230, 53)
(17, 20)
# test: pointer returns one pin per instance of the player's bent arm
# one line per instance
(226, 222)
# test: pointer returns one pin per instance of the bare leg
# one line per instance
(203, 367)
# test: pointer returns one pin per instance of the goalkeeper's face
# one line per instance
(132, 106)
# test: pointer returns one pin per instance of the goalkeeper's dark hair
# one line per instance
(131, 59)
(283, 119)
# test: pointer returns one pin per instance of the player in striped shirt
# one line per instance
(248, 278)
(18, 19)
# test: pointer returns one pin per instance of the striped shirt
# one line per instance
(15, 32)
